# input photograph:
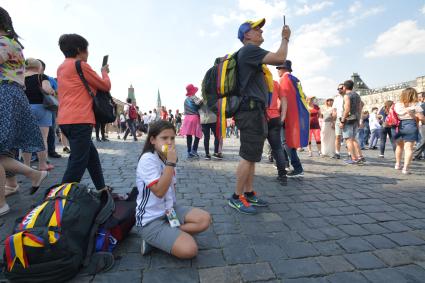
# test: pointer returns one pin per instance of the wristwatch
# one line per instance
(172, 164)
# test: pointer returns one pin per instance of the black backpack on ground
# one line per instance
(119, 224)
(103, 105)
(55, 239)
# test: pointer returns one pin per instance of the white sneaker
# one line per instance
(4, 209)
(145, 248)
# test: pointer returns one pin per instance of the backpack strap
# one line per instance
(83, 79)
(101, 218)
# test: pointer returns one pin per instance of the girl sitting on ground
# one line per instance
(161, 222)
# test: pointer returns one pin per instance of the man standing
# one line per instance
(295, 132)
(130, 113)
(338, 108)
(254, 84)
(350, 122)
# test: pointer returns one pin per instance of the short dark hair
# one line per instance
(349, 84)
(72, 44)
(128, 100)
(374, 108)
(154, 130)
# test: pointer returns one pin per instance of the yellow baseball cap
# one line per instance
(248, 25)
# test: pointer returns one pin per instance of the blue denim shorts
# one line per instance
(407, 131)
(349, 130)
(41, 115)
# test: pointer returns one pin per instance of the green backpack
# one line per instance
(220, 86)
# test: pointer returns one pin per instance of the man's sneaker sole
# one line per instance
(241, 211)
(145, 248)
(296, 175)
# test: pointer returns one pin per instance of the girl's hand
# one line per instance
(172, 154)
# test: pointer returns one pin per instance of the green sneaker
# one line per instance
(255, 201)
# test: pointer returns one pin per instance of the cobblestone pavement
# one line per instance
(340, 223)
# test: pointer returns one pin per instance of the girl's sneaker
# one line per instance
(207, 157)
(194, 154)
(254, 200)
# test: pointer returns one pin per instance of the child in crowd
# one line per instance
(161, 222)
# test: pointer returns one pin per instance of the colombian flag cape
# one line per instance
(297, 121)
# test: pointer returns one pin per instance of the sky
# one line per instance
(166, 45)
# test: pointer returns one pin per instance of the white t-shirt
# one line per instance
(126, 111)
(122, 118)
(150, 207)
(338, 105)
(374, 122)
(146, 119)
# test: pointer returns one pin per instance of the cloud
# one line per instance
(319, 86)
(403, 38)
(355, 7)
(308, 9)
(423, 10)
(264, 9)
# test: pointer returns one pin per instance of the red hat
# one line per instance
(191, 90)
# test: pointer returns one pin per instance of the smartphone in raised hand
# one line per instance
(284, 20)
(105, 60)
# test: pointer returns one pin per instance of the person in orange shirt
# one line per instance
(75, 114)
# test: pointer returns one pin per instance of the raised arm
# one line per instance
(278, 57)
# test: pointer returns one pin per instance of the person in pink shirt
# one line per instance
(75, 114)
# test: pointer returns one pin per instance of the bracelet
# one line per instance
(172, 164)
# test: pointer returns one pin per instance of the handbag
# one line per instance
(104, 107)
(50, 102)
(392, 119)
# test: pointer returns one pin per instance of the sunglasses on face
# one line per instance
(340, 88)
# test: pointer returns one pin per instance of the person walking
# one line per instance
(35, 84)
(375, 126)
(130, 113)
(18, 128)
(255, 81)
(328, 129)
(407, 132)
(209, 124)
(75, 115)
(386, 129)
(420, 149)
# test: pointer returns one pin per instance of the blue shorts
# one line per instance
(349, 131)
(407, 131)
(42, 115)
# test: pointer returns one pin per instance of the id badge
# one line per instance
(172, 217)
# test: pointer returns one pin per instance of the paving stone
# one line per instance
(295, 268)
(385, 275)
(365, 261)
(121, 276)
(380, 242)
(256, 272)
(361, 219)
(328, 248)
(405, 239)
(134, 261)
(353, 245)
(382, 216)
(375, 228)
(354, 230)
(237, 255)
(349, 277)
(412, 273)
(307, 280)
(271, 217)
(269, 252)
(338, 220)
(299, 250)
(162, 260)
(394, 257)
(207, 242)
(209, 258)
(333, 264)
(228, 274)
(181, 275)
(332, 233)
(394, 226)
(313, 235)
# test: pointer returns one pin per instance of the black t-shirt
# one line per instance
(251, 77)
(178, 118)
(32, 88)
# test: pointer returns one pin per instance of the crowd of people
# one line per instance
(276, 111)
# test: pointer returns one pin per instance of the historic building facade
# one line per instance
(376, 97)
